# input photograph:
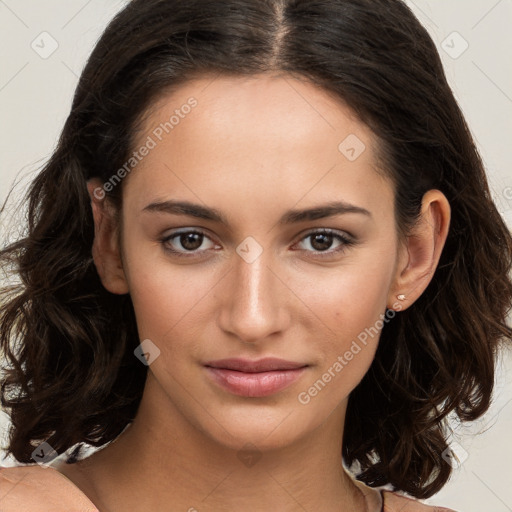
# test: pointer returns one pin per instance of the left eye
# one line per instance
(322, 241)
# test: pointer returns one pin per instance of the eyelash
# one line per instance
(346, 242)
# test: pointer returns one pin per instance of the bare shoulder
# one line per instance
(396, 503)
(387, 501)
(40, 489)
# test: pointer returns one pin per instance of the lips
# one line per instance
(258, 378)
(262, 365)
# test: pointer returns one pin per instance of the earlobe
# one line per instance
(420, 255)
(105, 248)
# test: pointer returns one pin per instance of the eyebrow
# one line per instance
(289, 217)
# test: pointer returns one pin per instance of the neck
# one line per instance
(162, 460)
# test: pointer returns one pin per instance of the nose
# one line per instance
(255, 300)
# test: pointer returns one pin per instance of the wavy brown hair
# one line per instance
(70, 376)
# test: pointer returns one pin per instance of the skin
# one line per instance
(253, 148)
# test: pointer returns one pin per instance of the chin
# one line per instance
(266, 427)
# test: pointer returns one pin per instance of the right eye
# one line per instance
(190, 241)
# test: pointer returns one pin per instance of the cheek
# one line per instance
(350, 307)
(166, 303)
(163, 295)
(348, 299)
(347, 349)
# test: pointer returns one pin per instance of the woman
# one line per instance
(252, 268)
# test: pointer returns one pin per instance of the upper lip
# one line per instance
(254, 366)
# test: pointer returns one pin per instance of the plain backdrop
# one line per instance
(44, 45)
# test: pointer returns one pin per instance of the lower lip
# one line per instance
(254, 384)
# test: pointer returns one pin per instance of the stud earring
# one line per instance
(401, 297)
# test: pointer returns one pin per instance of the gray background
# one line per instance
(475, 42)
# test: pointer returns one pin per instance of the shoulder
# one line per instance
(40, 489)
(394, 502)
(387, 501)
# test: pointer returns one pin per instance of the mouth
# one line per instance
(259, 378)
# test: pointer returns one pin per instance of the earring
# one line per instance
(401, 297)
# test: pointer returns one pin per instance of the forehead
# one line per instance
(269, 138)
(270, 106)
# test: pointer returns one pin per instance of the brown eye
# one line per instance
(191, 241)
(321, 241)
(186, 243)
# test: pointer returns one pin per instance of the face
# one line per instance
(287, 248)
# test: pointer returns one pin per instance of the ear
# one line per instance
(420, 254)
(105, 250)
